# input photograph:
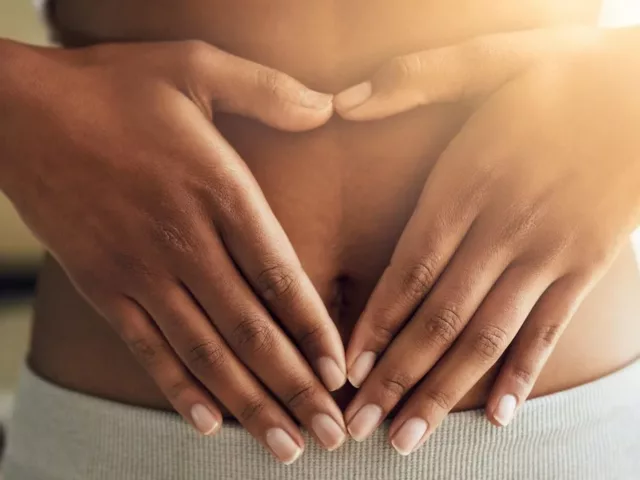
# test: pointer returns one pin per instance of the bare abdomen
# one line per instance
(343, 192)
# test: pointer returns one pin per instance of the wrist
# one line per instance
(14, 58)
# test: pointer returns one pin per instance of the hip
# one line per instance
(589, 432)
(70, 342)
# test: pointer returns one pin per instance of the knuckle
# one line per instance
(147, 352)
(548, 335)
(522, 374)
(521, 219)
(382, 331)
(194, 53)
(253, 334)
(277, 282)
(127, 328)
(132, 268)
(396, 385)
(91, 279)
(231, 200)
(176, 389)
(443, 326)
(252, 408)
(405, 67)
(489, 343)
(441, 399)
(311, 336)
(174, 238)
(418, 279)
(302, 395)
(207, 355)
(271, 80)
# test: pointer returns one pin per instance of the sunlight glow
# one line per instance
(619, 13)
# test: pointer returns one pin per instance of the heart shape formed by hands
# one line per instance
(499, 256)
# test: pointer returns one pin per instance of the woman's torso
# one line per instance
(343, 192)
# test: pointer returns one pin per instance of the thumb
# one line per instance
(455, 73)
(221, 82)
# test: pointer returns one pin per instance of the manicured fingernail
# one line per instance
(353, 97)
(316, 100)
(361, 368)
(505, 410)
(203, 419)
(365, 422)
(328, 431)
(283, 446)
(406, 439)
(332, 376)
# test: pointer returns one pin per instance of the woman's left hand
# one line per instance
(524, 211)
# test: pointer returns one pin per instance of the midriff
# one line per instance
(343, 192)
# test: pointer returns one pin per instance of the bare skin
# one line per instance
(502, 255)
(214, 250)
(344, 192)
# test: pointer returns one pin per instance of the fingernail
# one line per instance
(505, 409)
(203, 419)
(406, 439)
(365, 422)
(283, 446)
(316, 100)
(361, 368)
(327, 431)
(332, 376)
(354, 96)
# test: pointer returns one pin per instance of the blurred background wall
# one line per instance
(18, 248)
(19, 251)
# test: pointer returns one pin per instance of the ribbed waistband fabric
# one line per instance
(588, 432)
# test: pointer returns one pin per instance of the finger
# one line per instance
(222, 82)
(152, 351)
(454, 73)
(483, 341)
(435, 231)
(207, 356)
(262, 346)
(261, 249)
(252, 338)
(428, 335)
(532, 347)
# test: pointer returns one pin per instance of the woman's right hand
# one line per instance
(110, 156)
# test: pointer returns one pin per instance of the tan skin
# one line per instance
(503, 256)
(343, 193)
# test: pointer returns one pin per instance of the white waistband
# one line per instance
(589, 432)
